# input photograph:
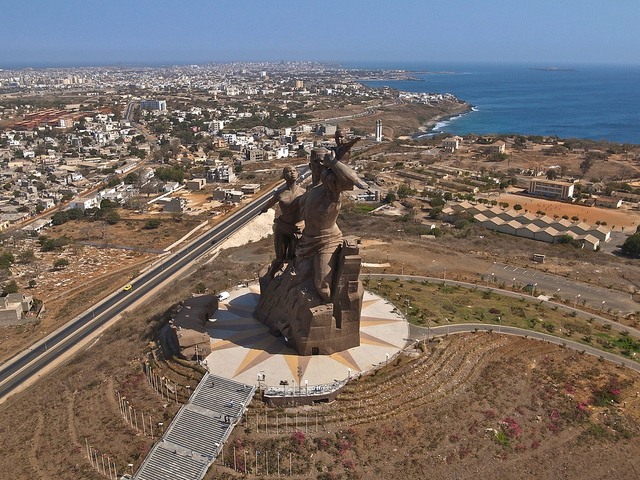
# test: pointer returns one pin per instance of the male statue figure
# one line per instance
(320, 207)
(287, 226)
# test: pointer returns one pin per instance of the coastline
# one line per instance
(429, 127)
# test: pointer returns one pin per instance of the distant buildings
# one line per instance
(221, 174)
(451, 144)
(160, 105)
(549, 188)
(14, 307)
(527, 225)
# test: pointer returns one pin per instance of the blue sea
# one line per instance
(588, 101)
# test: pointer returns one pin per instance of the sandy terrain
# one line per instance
(614, 218)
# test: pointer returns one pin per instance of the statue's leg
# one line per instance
(323, 267)
(280, 246)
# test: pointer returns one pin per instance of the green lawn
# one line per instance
(431, 303)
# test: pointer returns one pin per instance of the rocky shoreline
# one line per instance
(429, 125)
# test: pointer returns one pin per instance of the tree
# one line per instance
(10, 287)
(201, 287)
(59, 218)
(552, 174)
(405, 190)
(32, 283)
(586, 165)
(48, 244)
(631, 246)
(131, 178)
(390, 197)
(27, 256)
(112, 217)
(6, 259)
(517, 206)
(60, 263)
(437, 202)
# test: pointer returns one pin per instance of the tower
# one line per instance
(378, 130)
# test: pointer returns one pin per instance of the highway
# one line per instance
(28, 363)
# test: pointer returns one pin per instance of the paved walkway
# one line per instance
(423, 333)
(243, 349)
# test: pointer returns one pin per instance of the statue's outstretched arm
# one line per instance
(272, 201)
(343, 149)
(346, 176)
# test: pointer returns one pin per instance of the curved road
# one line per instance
(425, 333)
(421, 333)
(508, 293)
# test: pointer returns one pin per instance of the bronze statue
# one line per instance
(287, 226)
(315, 302)
(320, 207)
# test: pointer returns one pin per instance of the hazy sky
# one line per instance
(541, 32)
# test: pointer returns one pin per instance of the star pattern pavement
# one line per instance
(242, 348)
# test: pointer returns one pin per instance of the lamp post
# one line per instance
(500, 324)
(575, 302)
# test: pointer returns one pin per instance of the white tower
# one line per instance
(378, 130)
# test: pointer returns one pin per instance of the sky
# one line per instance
(41, 33)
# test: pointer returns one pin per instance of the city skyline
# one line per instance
(75, 33)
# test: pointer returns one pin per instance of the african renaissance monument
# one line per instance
(311, 294)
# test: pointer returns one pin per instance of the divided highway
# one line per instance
(28, 364)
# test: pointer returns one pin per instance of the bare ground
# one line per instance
(473, 406)
(425, 419)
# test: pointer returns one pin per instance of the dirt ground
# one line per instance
(398, 120)
(92, 271)
(471, 406)
(433, 417)
(623, 219)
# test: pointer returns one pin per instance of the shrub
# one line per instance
(10, 287)
(152, 224)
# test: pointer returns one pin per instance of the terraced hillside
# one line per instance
(471, 406)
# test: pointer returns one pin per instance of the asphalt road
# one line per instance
(426, 333)
(572, 289)
(491, 286)
(28, 363)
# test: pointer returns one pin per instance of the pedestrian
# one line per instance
(213, 384)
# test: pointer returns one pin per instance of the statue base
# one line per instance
(289, 306)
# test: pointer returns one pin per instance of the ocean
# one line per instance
(583, 101)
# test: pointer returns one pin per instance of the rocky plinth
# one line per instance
(289, 306)
(187, 326)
